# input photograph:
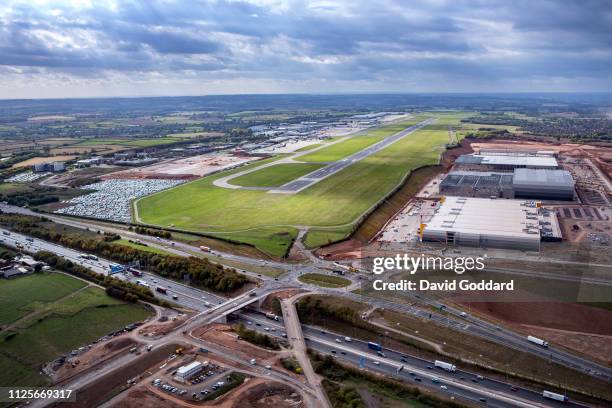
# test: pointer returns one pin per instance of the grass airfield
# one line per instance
(330, 207)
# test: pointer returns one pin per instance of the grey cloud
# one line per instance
(370, 41)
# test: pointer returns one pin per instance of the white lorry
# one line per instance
(554, 396)
(537, 341)
(445, 366)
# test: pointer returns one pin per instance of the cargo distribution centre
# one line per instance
(489, 223)
(489, 199)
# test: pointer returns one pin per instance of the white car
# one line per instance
(443, 387)
(338, 341)
(376, 363)
(266, 329)
(348, 339)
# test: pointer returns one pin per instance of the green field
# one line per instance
(275, 176)
(326, 281)
(24, 295)
(58, 326)
(309, 147)
(331, 206)
(146, 248)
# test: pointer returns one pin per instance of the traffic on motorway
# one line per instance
(460, 384)
(387, 361)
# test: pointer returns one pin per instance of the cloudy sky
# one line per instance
(86, 48)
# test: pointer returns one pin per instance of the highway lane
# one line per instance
(326, 342)
(486, 330)
(189, 297)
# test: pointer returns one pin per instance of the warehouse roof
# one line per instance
(187, 368)
(543, 178)
(509, 160)
(476, 179)
(512, 218)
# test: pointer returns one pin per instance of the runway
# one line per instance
(297, 185)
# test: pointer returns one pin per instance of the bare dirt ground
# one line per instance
(349, 249)
(284, 294)
(449, 156)
(254, 393)
(594, 345)
(601, 155)
(296, 255)
(36, 160)
(161, 329)
(268, 394)
(223, 335)
(92, 357)
(553, 315)
(184, 168)
(141, 396)
(107, 385)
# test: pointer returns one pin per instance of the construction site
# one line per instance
(511, 196)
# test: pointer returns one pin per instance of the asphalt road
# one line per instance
(357, 352)
(187, 296)
(213, 307)
(489, 331)
(197, 299)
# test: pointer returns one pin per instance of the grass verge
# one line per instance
(325, 281)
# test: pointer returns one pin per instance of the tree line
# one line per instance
(199, 271)
(130, 292)
(254, 337)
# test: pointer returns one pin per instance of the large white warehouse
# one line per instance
(484, 222)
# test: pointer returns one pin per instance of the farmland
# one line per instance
(61, 314)
(334, 203)
(19, 297)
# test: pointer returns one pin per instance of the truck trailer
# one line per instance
(537, 341)
(374, 346)
(272, 316)
(554, 396)
(445, 366)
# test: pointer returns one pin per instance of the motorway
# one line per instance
(310, 179)
(212, 307)
(460, 384)
(489, 331)
(190, 297)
